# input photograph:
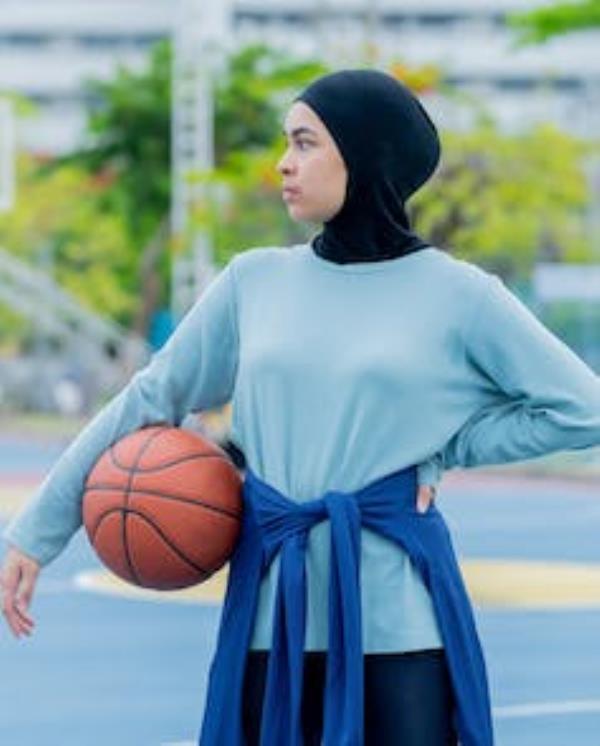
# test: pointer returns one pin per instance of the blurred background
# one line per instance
(138, 142)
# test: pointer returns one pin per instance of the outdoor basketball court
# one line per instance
(104, 668)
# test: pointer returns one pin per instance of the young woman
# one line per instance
(359, 366)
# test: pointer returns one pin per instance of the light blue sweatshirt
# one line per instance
(339, 374)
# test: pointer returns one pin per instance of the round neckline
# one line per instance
(361, 267)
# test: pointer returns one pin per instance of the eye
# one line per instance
(303, 144)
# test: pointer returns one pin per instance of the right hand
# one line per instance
(17, 582)
(425, 497)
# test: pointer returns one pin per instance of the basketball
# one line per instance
(162, 507)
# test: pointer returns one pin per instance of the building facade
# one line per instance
(49, 47)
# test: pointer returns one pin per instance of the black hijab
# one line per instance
(390, 147)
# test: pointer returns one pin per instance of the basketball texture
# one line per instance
(162, 507)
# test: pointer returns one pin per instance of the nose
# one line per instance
(285, 165)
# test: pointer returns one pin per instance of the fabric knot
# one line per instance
(274, 524)
(280, 520)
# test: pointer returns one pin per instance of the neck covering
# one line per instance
(275, 525)
(390, 147)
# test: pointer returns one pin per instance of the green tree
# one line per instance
(128, 150)
(255, 85)
(101, 212)
(244, 207)
(507, 201)
(129, 146)
(538, 25)
(58, 226)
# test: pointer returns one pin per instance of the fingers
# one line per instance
(15, 610)
(425, 497)
(17, 582)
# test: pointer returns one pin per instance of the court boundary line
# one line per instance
(540, 709)
(509, 712)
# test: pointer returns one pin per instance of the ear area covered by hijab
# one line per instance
(390, 147)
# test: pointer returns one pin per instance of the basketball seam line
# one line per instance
(163, 536)
(183, 459)
(98, 487)
(128, 491)
(131, 472)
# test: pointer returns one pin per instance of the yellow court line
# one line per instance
(210, 592)
(13, 497)
(520, 584)
(532, 584)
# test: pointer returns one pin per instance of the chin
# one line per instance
(303, 215)
(298, 214)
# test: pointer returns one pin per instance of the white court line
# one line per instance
(539, 709)
(534, 709)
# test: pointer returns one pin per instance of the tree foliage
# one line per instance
(57, 226)
(508, 200)
(538, 25)
(128, 142)
(99, 213)
(257, 81)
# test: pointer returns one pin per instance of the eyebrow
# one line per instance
(300, 131)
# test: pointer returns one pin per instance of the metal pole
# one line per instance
(371, 29)
(320, 20)
(198, 27)
(7, 155)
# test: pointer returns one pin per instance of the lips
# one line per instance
(288, 192)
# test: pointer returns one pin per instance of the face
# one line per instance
(313, 171)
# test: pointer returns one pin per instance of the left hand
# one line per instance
(425, 496)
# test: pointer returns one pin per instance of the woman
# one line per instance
(349, 361)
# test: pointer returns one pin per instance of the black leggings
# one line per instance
(408, 698)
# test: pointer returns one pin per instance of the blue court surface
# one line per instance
(107, 670)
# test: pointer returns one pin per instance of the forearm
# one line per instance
(514, 431)
(546, 398)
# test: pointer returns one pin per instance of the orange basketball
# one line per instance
(162, 507)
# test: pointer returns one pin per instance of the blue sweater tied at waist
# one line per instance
(275, 524)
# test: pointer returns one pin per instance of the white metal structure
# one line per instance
(196, 38)
(7, 155)
(105, 351)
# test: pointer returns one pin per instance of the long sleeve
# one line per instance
(195, 370)
(547, 398)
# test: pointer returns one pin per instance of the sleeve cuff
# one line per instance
(12, 539)
(430, 472)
